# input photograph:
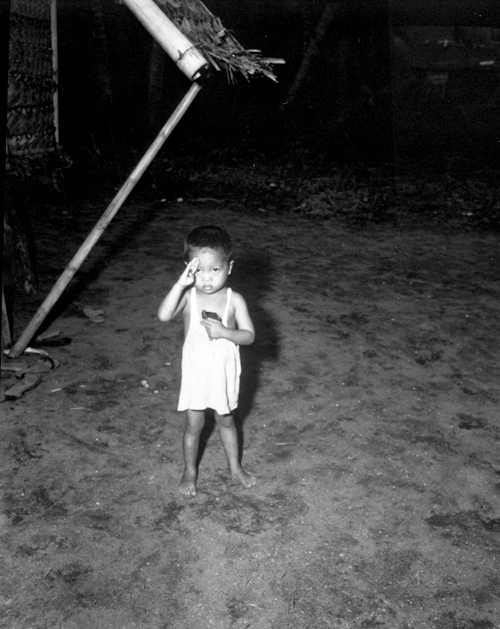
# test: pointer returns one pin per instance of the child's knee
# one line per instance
(193, 430)
(195, 422)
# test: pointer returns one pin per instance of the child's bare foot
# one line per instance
(187, 486)
(246, 479)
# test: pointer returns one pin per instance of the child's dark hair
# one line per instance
(208, 236)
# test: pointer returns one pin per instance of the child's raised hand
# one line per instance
(187, 276)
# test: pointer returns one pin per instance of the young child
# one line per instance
(216, 323)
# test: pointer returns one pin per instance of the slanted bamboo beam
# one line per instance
(103, 222)
(174, 43)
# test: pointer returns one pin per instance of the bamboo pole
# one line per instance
(103, 222)
(183, 52)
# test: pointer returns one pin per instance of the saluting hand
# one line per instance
(188, 275)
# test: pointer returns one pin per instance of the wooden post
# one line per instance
(6, 331)
(55, 66)
(4, 68)
(103, 222)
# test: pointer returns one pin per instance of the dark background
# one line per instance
(374, 91)
(383, 112)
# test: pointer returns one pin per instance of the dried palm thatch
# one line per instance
(215, 42)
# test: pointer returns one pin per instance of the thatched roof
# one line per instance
(216, 42)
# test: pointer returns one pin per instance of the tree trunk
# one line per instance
(156, 105)
(103, 117)
(17, 214)
(326, 19)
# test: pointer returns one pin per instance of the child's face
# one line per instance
(213, 269)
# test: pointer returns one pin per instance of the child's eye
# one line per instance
(216, 269)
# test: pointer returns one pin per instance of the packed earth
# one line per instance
(369, 413)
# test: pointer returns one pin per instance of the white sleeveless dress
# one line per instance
(210, 368)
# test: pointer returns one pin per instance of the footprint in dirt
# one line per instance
(469, 422)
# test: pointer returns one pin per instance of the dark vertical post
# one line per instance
(380, 66)
(388, 56)
(4, 66)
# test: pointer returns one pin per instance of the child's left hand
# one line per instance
(214, 328)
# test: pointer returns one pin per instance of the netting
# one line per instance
(30, 107)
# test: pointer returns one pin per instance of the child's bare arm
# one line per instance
(244, 322)
(175, 299)
(244, 334)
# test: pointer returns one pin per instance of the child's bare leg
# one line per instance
(229, 438)
(191, 441)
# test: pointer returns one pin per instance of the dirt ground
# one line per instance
(369, 413)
